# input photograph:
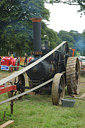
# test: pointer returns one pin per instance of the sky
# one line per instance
(65, 17)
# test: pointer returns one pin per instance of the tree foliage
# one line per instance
(51, 36)
(75, 40)
(15, 24)
(16, 29)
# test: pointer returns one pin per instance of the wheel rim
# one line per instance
(77, 75)
(21, 81)
(58, 88)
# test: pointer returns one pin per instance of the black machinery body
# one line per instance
(47, 68)
(64, 70)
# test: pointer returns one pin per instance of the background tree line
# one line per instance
(16, 29)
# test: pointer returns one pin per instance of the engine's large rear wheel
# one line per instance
(58, 88)
(73, 75)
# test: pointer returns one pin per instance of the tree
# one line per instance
(16, 26)
(80, 46)
(17, 38)
(50, 35)
(65, 36)
(83, 34)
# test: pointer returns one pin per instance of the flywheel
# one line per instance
(73, 75)
(58, 88)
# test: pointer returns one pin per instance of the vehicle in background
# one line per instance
(9, 63)
(82, 64)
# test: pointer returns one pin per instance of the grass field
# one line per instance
(38, 112)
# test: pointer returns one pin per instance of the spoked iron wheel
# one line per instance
(20, 84)
(58, 88)
(73, 75)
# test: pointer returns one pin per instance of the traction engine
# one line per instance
(64, 70)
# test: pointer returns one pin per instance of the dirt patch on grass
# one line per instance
(4, 74)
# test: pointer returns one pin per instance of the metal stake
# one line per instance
(11, 103)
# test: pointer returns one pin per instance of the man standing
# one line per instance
(25, 61)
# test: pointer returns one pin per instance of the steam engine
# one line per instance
(46, 69)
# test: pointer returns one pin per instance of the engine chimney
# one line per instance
(37, 36)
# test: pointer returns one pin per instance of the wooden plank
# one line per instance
(15, 74)
(7, 124)
(81, 97)
(74, 96)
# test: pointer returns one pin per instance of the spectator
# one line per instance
(25, 61)
(30, 58)
(0, 58)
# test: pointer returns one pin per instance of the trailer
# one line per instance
(9, 63)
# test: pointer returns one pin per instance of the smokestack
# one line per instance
(37, 35)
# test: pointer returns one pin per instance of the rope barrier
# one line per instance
(22, 94)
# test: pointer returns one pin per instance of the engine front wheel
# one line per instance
(58, 88)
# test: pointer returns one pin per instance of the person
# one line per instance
(25, 61)
(30, 58)
(0, 61)
(12, 55)
(0, 58)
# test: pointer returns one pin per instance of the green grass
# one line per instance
(38, 112)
